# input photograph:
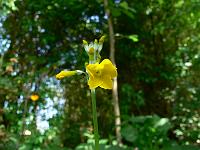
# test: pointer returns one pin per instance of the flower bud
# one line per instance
(96, 44)
(85, 42)
(91, 51)
(65, 73)
(101, 40)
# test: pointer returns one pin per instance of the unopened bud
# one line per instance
(96, 41)
(91, 50)
(101, 40)
(85, 42)
(96, 44)
(65, 73)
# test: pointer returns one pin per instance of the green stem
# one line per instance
(94, 113)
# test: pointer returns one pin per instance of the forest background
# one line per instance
(157, 57)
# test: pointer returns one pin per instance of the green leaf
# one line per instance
(129, 133)
(116, 12)
(127, 10)
(133, 37)
(125, 6)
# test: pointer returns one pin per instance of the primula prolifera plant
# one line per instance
(100, 74)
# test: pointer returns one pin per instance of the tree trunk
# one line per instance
(115, 89)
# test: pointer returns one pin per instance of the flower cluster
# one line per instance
(100, 74)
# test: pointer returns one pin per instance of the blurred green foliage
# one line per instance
(158, 61)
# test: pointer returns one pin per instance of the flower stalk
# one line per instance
(100, 74)
(95, 122)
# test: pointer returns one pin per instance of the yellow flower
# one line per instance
(34, 97)
(101, 74)
(65, 73)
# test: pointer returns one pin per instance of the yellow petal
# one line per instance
(108, 68)
(65, 73)
(101, 74)
(107, 82)
(91, 69)
(94, 82)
